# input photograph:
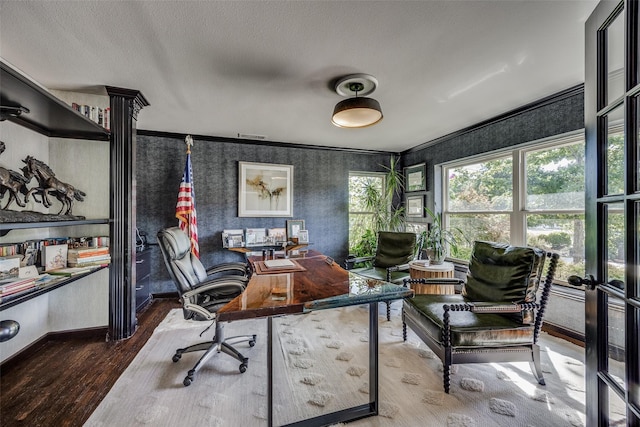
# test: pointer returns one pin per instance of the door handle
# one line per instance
(589, 282)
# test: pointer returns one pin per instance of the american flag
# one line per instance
(186, 207)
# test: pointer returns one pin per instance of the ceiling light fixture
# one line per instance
(356, 112)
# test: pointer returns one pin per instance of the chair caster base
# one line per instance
(188, 379)
(243, 366)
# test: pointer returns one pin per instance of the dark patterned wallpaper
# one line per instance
(553, 118)
(320, 193)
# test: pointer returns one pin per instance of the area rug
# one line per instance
(321, 365)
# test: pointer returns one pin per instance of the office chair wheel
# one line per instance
(187, 381)
(243, 368)
(176, 357)
(252, 342)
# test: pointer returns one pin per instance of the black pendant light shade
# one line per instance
(356, 112)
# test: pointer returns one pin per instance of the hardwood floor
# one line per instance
(66, 379)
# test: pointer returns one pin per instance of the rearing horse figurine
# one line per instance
(48, 183)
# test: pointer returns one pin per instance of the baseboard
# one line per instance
(566, 334)
(34, 347)
(165, 295)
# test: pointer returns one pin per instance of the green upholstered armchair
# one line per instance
(391, 261)
(496, 317)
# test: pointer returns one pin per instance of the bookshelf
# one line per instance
(55, 128)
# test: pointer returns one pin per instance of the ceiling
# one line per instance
(223, 68)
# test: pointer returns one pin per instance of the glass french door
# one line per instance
(612, 299)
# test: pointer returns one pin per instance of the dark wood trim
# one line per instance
(205, 138)
(165, 295)
(34, 347)
(564, 333)
(125, 105)
(567, 93)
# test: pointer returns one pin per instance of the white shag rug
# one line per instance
(321, 365)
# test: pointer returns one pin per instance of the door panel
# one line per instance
(612, 246)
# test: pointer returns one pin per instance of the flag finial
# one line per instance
(189, 142)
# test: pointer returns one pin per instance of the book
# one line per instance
(9, 266)
(279, 263)
(88, 257)
(87, 251)
(54, 257)
(96, 263)
(70, 271)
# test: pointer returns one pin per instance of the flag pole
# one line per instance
(186, 206)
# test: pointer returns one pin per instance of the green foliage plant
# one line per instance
(387, 215)
(437, 238)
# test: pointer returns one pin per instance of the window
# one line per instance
(360, 219)
(530, 195)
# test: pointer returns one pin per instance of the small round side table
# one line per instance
(418, 270)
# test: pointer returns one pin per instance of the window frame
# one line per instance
(519, 212)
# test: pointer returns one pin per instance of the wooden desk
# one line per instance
(418, 270)
(321, 286)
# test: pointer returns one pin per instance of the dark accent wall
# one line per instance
(320, 192)
(560, 113)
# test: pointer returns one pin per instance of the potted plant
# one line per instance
(437, 238)
(386, 215)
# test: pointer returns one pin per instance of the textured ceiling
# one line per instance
(219, 68)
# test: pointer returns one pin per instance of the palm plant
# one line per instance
(386, 216)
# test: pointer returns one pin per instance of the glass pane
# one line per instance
(615, 244)
(615, 338)
(615, 152)
(615, 58)
(555, 178)
(563, 234)
(617, 410)
(489, 227)
(486, 186)
(358, 185)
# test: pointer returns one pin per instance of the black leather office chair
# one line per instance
(202, 295)
(495, 319)
(394, 250)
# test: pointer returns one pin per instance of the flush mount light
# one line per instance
(359, 111)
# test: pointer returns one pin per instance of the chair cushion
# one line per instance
(397, 277)
(394, 248)
(503, 273)
(467, 329)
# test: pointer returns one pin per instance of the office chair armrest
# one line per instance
(239, 267)
(351, 261)
(400, 267)
(215, 284)
(491, 307)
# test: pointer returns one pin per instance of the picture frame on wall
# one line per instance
(265, 190)
(416, 178)
(415, 206)
(293, 228)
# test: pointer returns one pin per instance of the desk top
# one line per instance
(320, 286)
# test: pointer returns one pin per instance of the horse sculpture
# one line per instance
(14, 183)
(48, 183)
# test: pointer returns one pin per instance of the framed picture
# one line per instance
(415, 206)
(415, 178)
(293, 227)
(265, 189)
(303, 236)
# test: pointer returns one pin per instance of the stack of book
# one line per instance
(88, 257)
(15, 286)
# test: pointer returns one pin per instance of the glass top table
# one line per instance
(314, 282)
